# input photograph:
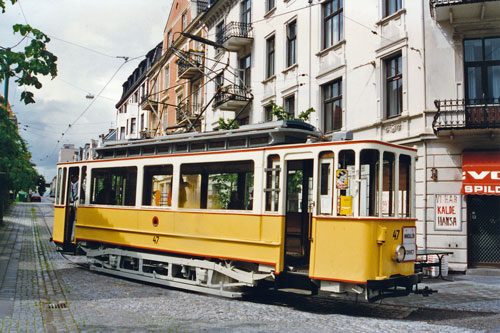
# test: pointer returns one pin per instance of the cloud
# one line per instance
(102, 30)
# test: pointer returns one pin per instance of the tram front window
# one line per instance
(368, 191)
(225, 185)
(404, 185)
(345, 182)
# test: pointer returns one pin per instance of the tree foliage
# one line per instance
(280, 114)
(25, 67)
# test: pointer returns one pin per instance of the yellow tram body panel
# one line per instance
(348, 249)
(59, 222)
(243, 237)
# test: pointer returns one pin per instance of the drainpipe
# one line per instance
(425, 196)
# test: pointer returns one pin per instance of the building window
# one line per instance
(394, 85)
(392, 6)
(246, 16)
(291, 43)
(332, 106)
(169, 39)
(184, 21)
(219, 81)
(270, 57)
(270, 4)
(268, 112)
(289, 106)
(482, 70)
(219, 33)
(142, 122)
(166, 78)
(132, 125)
(122, 133)
(332, 22)
(245, 71)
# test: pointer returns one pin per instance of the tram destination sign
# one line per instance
(448, 212)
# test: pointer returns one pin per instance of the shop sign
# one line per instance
(448, 212)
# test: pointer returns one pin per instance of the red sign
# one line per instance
(481, 173)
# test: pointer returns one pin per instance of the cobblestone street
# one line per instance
(40, 290)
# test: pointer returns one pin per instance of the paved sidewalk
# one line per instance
(31, 295)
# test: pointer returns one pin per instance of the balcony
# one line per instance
(235, 36)
(466, 12)
(232, 98)
(457, 114)
(187, 113)
(190, 65)
(148, 104)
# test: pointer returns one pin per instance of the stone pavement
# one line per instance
(42, 291)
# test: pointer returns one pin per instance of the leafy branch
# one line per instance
(280, 114)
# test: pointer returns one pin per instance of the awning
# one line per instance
(481, 172)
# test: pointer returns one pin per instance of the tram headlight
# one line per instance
(400, 253)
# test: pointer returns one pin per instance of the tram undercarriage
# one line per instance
(215, 278)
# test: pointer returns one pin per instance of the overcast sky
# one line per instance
(87, 36)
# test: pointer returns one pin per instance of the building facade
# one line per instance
(132, 122)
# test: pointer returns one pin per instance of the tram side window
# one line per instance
(224, 185)
(388, 185)
(114, 186)
(404, 185)
(157, 189)
(326, 183)
(368, 190)
(59, 188)
(272, 189)
(345, 182)
(83, 184)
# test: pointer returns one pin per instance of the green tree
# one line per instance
(16, 170)
(280, 114)
(41, 185)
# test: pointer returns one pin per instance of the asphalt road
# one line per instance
(41, 290)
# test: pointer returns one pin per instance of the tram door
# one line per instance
(70, 209)
(298, 196)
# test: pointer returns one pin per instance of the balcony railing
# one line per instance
(466, 114)
(436, 3)
(235, 35)
(185, 111)
(232, 97)
(190, 65)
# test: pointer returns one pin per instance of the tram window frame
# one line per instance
(161, 198)
(405, 188)
(59, 189)
(227, 185)
(369, 178)
(325, 182)
(388, 184)
(345, 187)
(83, 184)
(118, 193)
(272, 189)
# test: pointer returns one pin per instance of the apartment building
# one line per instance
(421, 73)
(176, 84)
(132, 121)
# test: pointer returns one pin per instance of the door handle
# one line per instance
(309, 232)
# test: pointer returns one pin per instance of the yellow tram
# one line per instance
(215, 212)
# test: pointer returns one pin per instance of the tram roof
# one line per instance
(247, 136)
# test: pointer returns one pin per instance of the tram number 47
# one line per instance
(156, 239)
(395, 234)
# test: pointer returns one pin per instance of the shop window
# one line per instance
(272, 189)
(114, 186)
(157, 186)
(326, 182)
(345, 182)
(388, 184)
(225, 185)
(369, 182)
(404, 185)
